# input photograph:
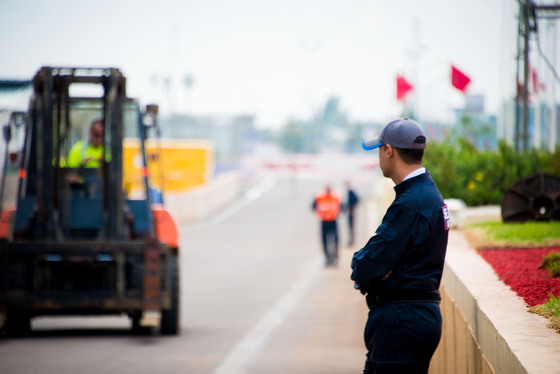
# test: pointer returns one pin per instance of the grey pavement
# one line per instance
(255, 299)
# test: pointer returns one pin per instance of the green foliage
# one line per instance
(552, 307)
(520, 234)
(551, 262)
(550, 310)
(554, 269)
(481, 177)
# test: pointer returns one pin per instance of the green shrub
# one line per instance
(553, 305)
(481, 177)
(551, 262)
(550, 310)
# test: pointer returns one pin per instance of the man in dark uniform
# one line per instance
(399, 269)
(352, 201)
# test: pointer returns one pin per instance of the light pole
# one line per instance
(311, 48)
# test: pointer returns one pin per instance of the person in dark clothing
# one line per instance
(352, 201)
(326, 206)
(399, 269)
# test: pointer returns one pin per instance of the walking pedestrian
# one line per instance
(327, 206)
(352, 201)
(399, 269)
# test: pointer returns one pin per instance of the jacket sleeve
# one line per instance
(384, 250)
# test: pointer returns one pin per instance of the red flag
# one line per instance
(537, 85)
(402, 87)
(459, 80)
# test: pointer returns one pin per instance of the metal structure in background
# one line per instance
(529, 13)
(533, 198)
(14, 84)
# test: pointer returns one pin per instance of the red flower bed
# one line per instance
(519, 269)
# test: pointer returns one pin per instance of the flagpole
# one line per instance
(516, 131)
(526, 75)
(537, 109)
(553, 124)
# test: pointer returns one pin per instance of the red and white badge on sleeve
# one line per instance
(446, 217)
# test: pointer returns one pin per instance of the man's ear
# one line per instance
(390, 150)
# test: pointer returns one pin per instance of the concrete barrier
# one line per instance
(486, 326)
(201, 202)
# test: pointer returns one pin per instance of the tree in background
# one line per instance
(330, 129)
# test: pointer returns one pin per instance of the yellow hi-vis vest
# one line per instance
(85, 156)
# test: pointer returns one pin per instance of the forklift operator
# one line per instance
(88, 155)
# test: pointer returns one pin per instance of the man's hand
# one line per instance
(74, 178)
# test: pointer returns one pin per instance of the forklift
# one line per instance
(77, 240)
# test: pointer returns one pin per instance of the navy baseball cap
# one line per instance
(400, 133)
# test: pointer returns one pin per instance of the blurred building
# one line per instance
(472, 123)
(233, 137)
(543, 126)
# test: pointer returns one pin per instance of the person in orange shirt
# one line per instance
(327, 206)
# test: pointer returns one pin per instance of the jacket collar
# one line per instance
(401, 187)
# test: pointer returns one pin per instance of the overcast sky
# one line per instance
(273, 59)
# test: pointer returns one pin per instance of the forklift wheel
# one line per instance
(17, 323)
(138, 329)
(170, 318)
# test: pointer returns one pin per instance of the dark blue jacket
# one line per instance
(410, 242)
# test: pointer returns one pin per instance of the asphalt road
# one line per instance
(256, 298)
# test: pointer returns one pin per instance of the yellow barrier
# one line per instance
(184, 164)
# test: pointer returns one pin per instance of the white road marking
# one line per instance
(243, 355)
(247, 198)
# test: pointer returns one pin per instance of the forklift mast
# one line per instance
(57, 214)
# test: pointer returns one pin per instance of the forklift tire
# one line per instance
(135, 278)
(3, 316)
(170, 317)
(17, 324)
(138, 329)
